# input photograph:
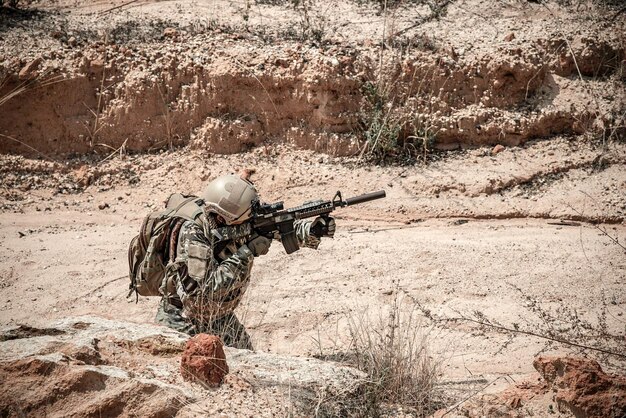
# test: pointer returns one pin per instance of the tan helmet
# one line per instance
(230, 197)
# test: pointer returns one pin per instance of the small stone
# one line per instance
(72, 41)
(204, 360)
(103, 206)
(170, 33)
(97, 64)
(30, 69)
(497, 149)
(509, 37)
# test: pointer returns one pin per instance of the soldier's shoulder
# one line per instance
(192, 230)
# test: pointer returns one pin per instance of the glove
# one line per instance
(259, 245)
(323, 227)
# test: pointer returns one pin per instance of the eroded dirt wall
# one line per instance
(228, 90)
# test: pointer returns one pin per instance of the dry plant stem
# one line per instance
(117, 7)
(382, 46)
(262, 86)
(27, 85)
(535, 334)
(121, 150)
(461, 402)
(426, 19)
(102, 286)
(612, 238)
(461, 317)
(93, 130)
(29, 147)
(168, 118)
(580, 75)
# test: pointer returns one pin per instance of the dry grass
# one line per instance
(391, 346)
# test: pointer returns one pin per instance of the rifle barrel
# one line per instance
(365, 197)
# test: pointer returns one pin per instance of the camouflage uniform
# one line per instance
(202, 289)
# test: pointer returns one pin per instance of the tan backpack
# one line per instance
(148, 252)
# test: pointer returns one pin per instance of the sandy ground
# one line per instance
(63, 256)
(483, 246)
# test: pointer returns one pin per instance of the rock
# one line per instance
(497, 149)
(170, 33)
(72, 41)
(509, 37)
(30, 70)
(90, 366)
(247, 173)
(97, 64)
(204, 360)
(83, 177)
(103, 206)
(60, 370)
(582, 387)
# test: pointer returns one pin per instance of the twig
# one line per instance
(262, 86)
(29, 147)
(115, 151)
(454, 407)
(615, 240)
(29, 84)
(384, 229)
(535, 334)
(619, 12)
(102, 286)
(434, 15)
(167, 116)
(117, 7)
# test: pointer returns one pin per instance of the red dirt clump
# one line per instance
(204, 360)
(582, 387)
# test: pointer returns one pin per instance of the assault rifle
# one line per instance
(269, 219)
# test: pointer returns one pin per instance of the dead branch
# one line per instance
(536, 334)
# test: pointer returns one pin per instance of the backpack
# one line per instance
(149, 252)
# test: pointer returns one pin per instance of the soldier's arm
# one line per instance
(233, 269)
(305, 237)
(208, 272)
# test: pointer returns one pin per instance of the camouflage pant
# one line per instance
(231, 331)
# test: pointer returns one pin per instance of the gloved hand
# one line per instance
(259, 245)
(323, 227)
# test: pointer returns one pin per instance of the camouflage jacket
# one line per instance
(211, 286)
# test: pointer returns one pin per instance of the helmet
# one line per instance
(230, 197)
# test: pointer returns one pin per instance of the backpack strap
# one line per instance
(186, 207)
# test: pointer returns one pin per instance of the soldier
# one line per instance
(201, 293)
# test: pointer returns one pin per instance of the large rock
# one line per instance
(91, 366)
(582, 387)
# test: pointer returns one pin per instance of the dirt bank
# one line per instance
(91, 79)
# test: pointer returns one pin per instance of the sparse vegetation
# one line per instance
(394, 352)
(391, 346)
(381, 126)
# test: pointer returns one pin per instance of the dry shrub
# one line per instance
(392, 349)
